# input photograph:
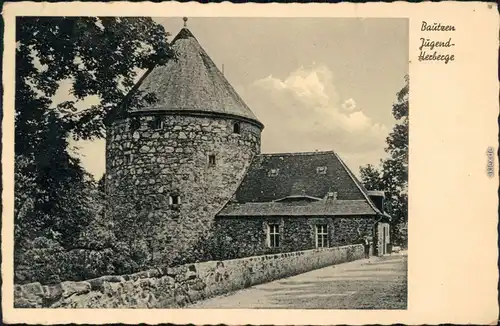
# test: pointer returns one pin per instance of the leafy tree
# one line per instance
(57, 205)
(99, 55)
(392, 175)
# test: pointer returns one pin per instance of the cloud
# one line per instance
(349, 105)
(303, 112)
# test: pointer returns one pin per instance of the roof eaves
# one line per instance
(158, 110)
(297, 153)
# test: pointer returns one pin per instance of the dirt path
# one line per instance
(377, 283)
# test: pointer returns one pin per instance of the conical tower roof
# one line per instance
(192, 83)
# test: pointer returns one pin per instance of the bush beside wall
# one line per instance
(177, 287)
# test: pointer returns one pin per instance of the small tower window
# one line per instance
(127, 159)
(174, 200)
(321, 170)
(158, 123)
(211, 160)
(236, 128)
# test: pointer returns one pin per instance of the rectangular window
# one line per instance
(274, 235)
(322, 236)
(158, 123)
(211, 160)
(127, 159)
(175, 200)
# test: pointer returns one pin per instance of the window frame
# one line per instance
(127, 159)
(212, 160)
(273, 235)
(158, 123)
(321, 231)
(237, 128)
(175, 202)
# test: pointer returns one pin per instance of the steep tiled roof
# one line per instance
(298, 184)
(274, 176)
(318, 208)
(192, 83)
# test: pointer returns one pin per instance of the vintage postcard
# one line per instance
(250, 164)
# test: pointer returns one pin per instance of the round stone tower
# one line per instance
(172, 164)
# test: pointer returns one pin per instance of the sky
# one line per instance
(315, 83)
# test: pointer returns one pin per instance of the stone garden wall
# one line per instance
(179, 286)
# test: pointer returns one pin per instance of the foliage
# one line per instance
(216, 246)
(58, 209)
(100, 55)
(392, 175)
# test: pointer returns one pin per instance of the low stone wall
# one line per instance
(179, 286)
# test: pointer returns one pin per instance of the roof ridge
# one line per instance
(297, 153)
(280, 201)
(351, 175)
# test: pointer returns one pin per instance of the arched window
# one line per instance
(236, 128)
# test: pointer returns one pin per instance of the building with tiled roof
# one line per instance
(288, 201)
(187, 162)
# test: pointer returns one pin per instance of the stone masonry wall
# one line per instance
(145, 166)
(180, 286)
(249, 234)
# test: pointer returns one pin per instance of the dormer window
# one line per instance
(236, 128)
(211, 160)
(332, 195)
(273, 172)
(321, 170)
(157, 123)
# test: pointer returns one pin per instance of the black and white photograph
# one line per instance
(211, 162)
